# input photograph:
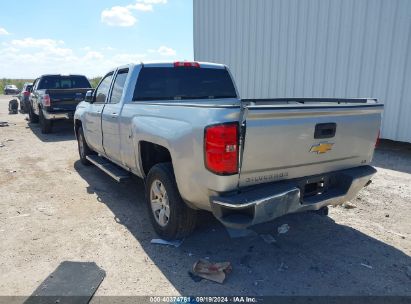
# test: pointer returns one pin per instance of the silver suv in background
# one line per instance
(183, 128)
(11, 89)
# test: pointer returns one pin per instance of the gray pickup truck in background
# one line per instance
(55, 97)
(183, 128)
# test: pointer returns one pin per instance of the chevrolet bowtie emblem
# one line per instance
(321, 148)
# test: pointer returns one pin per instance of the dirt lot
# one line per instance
(53, 209)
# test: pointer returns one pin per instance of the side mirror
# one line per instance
(89, 97)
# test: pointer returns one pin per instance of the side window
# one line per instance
(103, 88)
(118, 86)
(34, 85)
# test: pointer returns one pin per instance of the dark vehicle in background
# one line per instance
(11, 89)
(24, 97)
(55, 97)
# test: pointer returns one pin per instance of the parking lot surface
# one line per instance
(53, 209)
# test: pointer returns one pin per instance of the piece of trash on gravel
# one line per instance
(239, 233)
(215, 272)
(283, 229)
(4, 124)
(20, 215)
(365, 265)
(348, 205)
(268, 238)
(175, 243)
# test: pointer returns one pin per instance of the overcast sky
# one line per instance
(91, 36)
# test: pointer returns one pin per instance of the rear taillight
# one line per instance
(46, 100)
(186, 64)
(221, 148)
(26, 93)
(377, 141)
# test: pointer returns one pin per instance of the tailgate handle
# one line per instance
(325, 130)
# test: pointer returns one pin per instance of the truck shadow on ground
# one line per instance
(62, 131)
(316, 257)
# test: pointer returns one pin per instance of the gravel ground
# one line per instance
(53, 209)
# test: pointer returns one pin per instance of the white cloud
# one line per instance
(123, 15)
(164, 51)
(140, 7)
(93, 55)
(153, 1)
(3, 32)
(35, 43)
(118, 16)
(30, 57)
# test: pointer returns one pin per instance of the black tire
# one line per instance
(182, 219)
(46, 125)
(322, 211)
(33, 117)
(83, 148)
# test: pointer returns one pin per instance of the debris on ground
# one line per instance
(175, 243)
(215, 272)
(365, 265)
(349, 205)
(268, 238)
(20, 215)
(194, 277)
(283, 229)
(239, 233)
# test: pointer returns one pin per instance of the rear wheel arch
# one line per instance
(151, 154)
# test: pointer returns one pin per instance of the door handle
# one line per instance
(98, 112)
(114, 115)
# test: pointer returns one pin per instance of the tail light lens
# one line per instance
(26, 93)
(186, 64)
(46, 100)
(377, 141)
(221, 148)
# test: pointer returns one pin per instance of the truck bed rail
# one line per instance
(311, 100)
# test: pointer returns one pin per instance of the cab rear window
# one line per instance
(63, 82)
(183, 83)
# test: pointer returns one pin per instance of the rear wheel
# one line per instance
(83, 148)
(46, 125)
(33, 117)
(170, 216)
(322, 211)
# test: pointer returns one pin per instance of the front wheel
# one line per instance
(33, 117)
(83, 148)
(169, 214)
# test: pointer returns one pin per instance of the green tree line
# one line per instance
(20, 82)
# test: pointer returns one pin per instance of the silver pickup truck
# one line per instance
(183, 128)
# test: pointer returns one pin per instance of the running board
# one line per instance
(119, 174)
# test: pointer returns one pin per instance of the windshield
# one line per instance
(183, 83)
(63, 82)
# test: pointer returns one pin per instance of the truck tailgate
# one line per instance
(65, 99)
(290, 141)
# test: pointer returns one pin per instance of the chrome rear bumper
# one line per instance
(266, 202)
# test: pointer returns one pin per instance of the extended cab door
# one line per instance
(111, 115)
(92, 130)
